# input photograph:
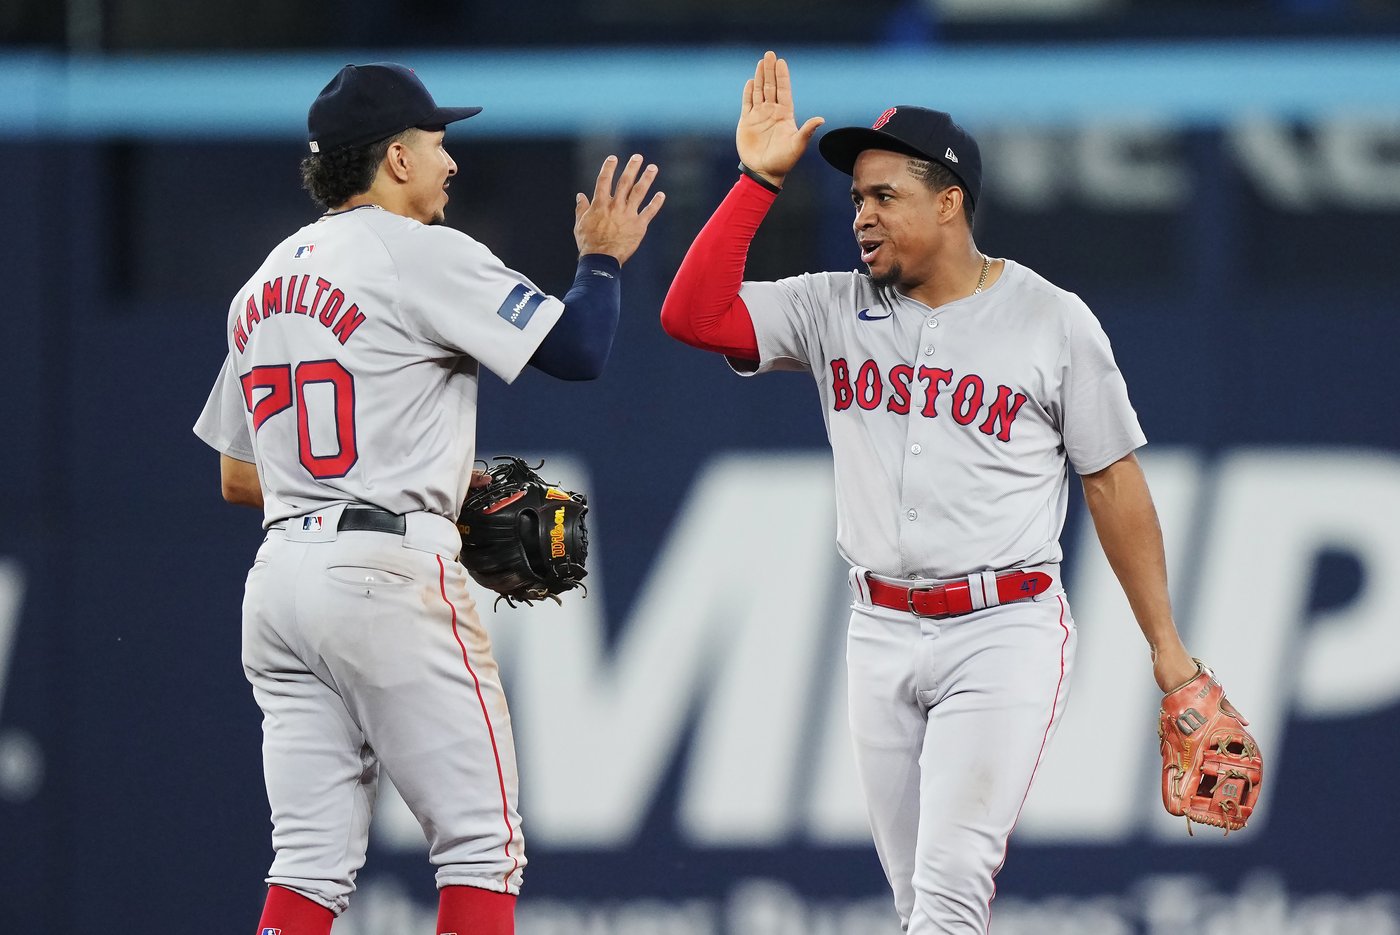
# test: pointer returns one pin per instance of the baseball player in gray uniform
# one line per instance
(956, 388)
(346, 410)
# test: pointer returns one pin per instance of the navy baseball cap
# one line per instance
(366, 103)
(918, 131)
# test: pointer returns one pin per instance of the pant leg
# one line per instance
(320, 773)
(416, 669)
(997, 685)
(883, 653)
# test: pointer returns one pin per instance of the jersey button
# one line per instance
(933, 322)
(916, 448)
(928, 350)
(913, 515)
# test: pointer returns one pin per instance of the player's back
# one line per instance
(349, 398)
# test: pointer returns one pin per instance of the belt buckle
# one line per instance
(915, 611)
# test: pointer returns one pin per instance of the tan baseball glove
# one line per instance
(1211, 766)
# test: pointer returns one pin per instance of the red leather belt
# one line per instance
(960, 597)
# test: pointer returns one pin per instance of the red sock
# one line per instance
(289, 913)
(468, 910)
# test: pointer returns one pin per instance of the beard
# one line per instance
(439, 214)
(889, 279)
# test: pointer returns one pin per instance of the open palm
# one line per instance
(768, 138)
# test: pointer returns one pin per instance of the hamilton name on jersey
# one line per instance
(901, 387)
(314, 297)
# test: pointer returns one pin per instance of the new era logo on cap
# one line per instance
(950, 156)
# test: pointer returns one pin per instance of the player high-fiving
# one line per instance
(958, 389)
(346, 410)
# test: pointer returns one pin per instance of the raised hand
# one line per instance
(768, 138)
(614, 221)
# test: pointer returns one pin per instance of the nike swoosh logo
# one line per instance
(864, 315)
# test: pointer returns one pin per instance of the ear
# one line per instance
(398, 161)
(950, 204)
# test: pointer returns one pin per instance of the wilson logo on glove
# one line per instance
(556, 535)
(1216, 780)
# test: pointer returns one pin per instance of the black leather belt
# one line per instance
(362, 520)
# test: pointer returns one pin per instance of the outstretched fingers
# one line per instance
(783, 84)
(615, 222)
(771, 85)
(639, 189)
(628, 178)
(653, 206)
(602, 189)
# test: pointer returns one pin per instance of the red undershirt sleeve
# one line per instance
(702, 307)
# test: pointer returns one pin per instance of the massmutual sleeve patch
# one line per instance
(520, 305)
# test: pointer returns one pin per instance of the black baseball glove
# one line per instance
(522, 537)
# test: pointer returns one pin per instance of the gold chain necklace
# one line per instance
(982, 280)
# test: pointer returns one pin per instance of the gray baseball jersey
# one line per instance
(950, 427)
(351, 380)
(362, 328)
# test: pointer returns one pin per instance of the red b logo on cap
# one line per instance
(883, 119)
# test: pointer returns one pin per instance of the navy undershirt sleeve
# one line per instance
(577, 347)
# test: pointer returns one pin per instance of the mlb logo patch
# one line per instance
(309, 524)
(270, 932)
(304, 251)
(520, 305)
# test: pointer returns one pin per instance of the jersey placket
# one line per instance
(917, 348)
